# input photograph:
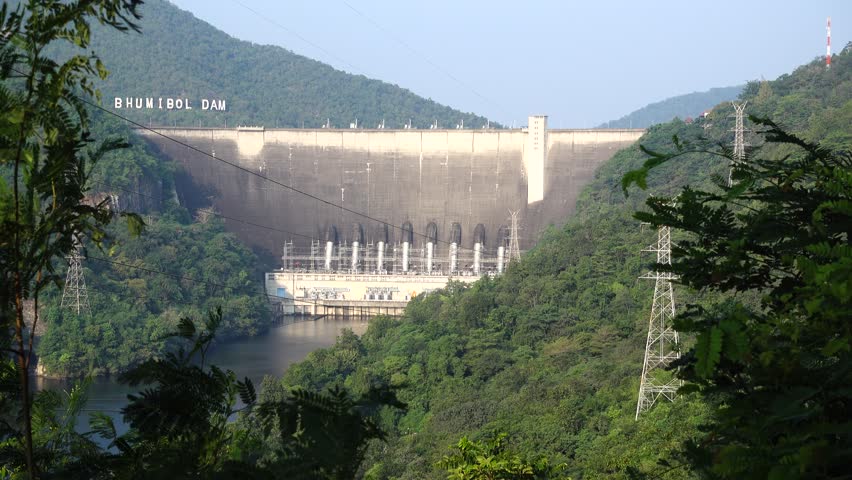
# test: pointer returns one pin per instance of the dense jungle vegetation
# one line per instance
(132, 309)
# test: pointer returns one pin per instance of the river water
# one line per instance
(255, 357)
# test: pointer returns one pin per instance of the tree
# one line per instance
(774, 356)
(180, 422)
(321, 435)
(45, 155)
(491, 460)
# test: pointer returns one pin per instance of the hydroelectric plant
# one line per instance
(366, 219)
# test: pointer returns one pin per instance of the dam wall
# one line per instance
(440, 177)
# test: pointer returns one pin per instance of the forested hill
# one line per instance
(180, 56)
(551, 351)
(681, 106)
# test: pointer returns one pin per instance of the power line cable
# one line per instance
(211, 212)
(300, 37)
(126, 295)
(484, 254)
(424, 57)
(195, 280)
(158, 272)
(264, 177)
(167, 274)
(140, 297)
(172, 275)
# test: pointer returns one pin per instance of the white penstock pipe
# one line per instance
(329, 247)
(405, 246)
(380, 256)
(477, 253)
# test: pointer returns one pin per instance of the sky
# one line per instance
(580, 63)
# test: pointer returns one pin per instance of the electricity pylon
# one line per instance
(661, 347)
(75, 296)
(739, 140)
(514, 246)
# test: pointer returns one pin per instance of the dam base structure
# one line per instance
(348, 277)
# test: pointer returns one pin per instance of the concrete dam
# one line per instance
(438, 186)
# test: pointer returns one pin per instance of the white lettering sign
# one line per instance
(382, 289)
(167, 103)
(325, 293)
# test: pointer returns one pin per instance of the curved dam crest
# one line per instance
(445, 177)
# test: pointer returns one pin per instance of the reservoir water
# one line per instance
(255, 357)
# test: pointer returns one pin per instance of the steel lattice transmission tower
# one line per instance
(75, 296)
(514, 246)
(739, 139)
(661, 347)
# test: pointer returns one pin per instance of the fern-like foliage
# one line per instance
(492, 459)
(322, 435)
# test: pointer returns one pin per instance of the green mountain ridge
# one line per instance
(181, 57)
(690, 105)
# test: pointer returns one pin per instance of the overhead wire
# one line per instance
(270, 20)
(213, 212)
(158, 272)
(428, 60)
(208, 211)
(166, 274)
(271, 180)
(268, 179)
(148, 269)
(315, 302)
(386, 31)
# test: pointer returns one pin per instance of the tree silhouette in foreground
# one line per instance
(46, 154)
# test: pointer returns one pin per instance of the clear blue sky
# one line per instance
(581, 63)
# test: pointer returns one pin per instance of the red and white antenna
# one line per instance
(828, 44)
